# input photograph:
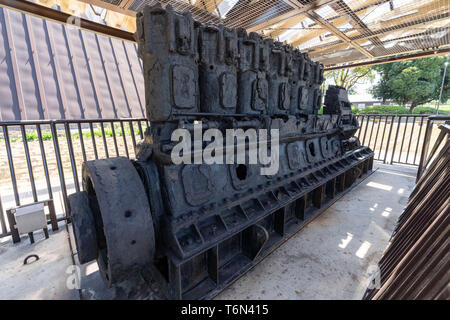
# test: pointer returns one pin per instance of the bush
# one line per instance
(31, 136)
(428, 110)
(384, 110)
(424, 110)
(355, 110)
(46, 136)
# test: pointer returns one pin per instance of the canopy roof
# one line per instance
(335, 32)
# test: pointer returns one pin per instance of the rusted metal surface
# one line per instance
(416, 263)
(54, 71)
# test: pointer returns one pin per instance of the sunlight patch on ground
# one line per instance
(379, 186)
(346, 241)
(386, 212)
(91, 268)
(363, 249)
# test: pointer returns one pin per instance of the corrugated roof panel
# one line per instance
(126, 77)
(64, 73)
(114, 82)
(24, 63)
(51, 95)
(9, 108)
(51, 71)
(82, 74)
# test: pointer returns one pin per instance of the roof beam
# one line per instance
(62, 17)
(327, 25)
(417, 55)
(337, 21)
(298, 9)
(341, 7)
(330, 27)
(407, 24)
(285, 26)
(123, 8)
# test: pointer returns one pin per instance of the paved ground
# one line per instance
(328, 259)
(41, 279)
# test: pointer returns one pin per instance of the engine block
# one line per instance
(196, 227)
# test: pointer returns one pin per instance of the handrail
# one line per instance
(424, 157)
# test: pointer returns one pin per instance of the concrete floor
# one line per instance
(328, 259)
(43, 279)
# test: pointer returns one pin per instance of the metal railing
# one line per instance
(394, 138)
(428, 156)
(41, 158)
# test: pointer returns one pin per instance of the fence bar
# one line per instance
(44, 161)
(29, 165)
(115, 139)
(124, 139)
(425, 146)
(104, 140)
(418, 138)
(382, 137)
(141, 134)
(11, 165)
(376, 135)
(403, 140)
(371, 130)
(360, 128)
(388, 139)
(94, 145)
(410, 139)
(365, 130)
(83, 150)
(2, 219)
(395, 139)
(60, 168)
(72, 157)
(133, 138)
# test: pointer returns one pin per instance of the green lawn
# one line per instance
(442, 107)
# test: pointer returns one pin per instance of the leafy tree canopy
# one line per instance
(348, 78)
(413, 81)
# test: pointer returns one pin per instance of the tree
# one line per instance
(412, 81)
(348, 78)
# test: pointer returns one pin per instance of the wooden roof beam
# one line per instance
(297, 10)
(330, 27)
(407, 24)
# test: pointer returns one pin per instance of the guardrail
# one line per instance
(397, 138)
(444, 133)
(39, 159)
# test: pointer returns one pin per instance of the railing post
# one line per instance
(59, 165)
(425, 146)
(395, 139)
(388, 138)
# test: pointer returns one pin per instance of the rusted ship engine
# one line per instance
(197, 227)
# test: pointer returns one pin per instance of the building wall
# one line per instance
(53, 71)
